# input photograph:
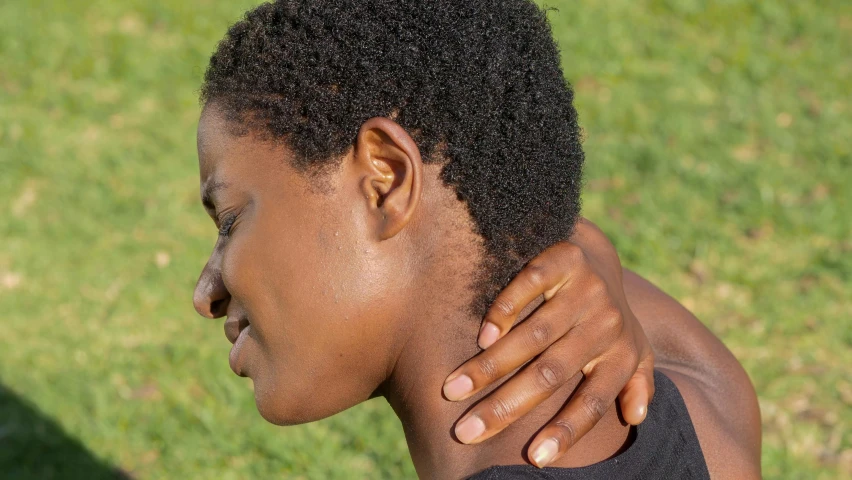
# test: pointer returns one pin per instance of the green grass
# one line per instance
(718, 146)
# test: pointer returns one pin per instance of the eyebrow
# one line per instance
(209, 190)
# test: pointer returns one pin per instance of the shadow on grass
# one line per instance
(32, 446)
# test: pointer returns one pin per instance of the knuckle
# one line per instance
(598, 287)
(538, 336)
(488, 368)
(566, 432)
(612, 318)
(549, 374)
(502, 409)
(593, 406)
(576, 254)
(536, 275)
(623, 360)
(504, 307)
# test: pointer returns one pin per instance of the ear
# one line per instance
(392, 173)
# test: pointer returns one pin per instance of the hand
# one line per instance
(584, 325)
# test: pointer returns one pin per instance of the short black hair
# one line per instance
(477, 84)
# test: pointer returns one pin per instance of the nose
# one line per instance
(211, 297)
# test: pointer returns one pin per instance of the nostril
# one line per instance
(218, 307)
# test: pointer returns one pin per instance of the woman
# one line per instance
(377, 171)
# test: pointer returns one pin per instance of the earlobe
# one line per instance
(392, 174)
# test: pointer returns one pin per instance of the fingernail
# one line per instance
(488, 335)
(458, 387)
(545, 452)
(470, 429)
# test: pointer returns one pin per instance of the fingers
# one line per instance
(523, 392)
(524, 342)
(595, 395)
(637, 394)
(537, 278)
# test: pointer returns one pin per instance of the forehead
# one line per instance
(213, 140)
(243, 162)
(224, 157)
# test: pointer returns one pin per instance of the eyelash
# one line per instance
(225, 229)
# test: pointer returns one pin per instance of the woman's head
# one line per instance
(364, 157)
(317, 272)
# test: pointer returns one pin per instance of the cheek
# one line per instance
(319, 318)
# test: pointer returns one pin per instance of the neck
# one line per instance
(414, 392)
(441, 340)
(440, 334)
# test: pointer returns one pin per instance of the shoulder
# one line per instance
(718, 394)
(727, 424)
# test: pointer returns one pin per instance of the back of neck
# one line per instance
(414, 392)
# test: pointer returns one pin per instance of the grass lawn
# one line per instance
(718, 147)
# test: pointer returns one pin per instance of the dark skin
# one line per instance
(581, 282)
(358, 281)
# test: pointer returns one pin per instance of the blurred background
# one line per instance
(718, 150)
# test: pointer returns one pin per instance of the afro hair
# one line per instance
(477, 84)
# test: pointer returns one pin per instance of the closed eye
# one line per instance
(227, 223)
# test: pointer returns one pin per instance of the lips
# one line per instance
(234, 357)
(233, 326)
(237, 329)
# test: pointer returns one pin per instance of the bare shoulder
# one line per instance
(716, 389)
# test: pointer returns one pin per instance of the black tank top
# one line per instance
(665, 446)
